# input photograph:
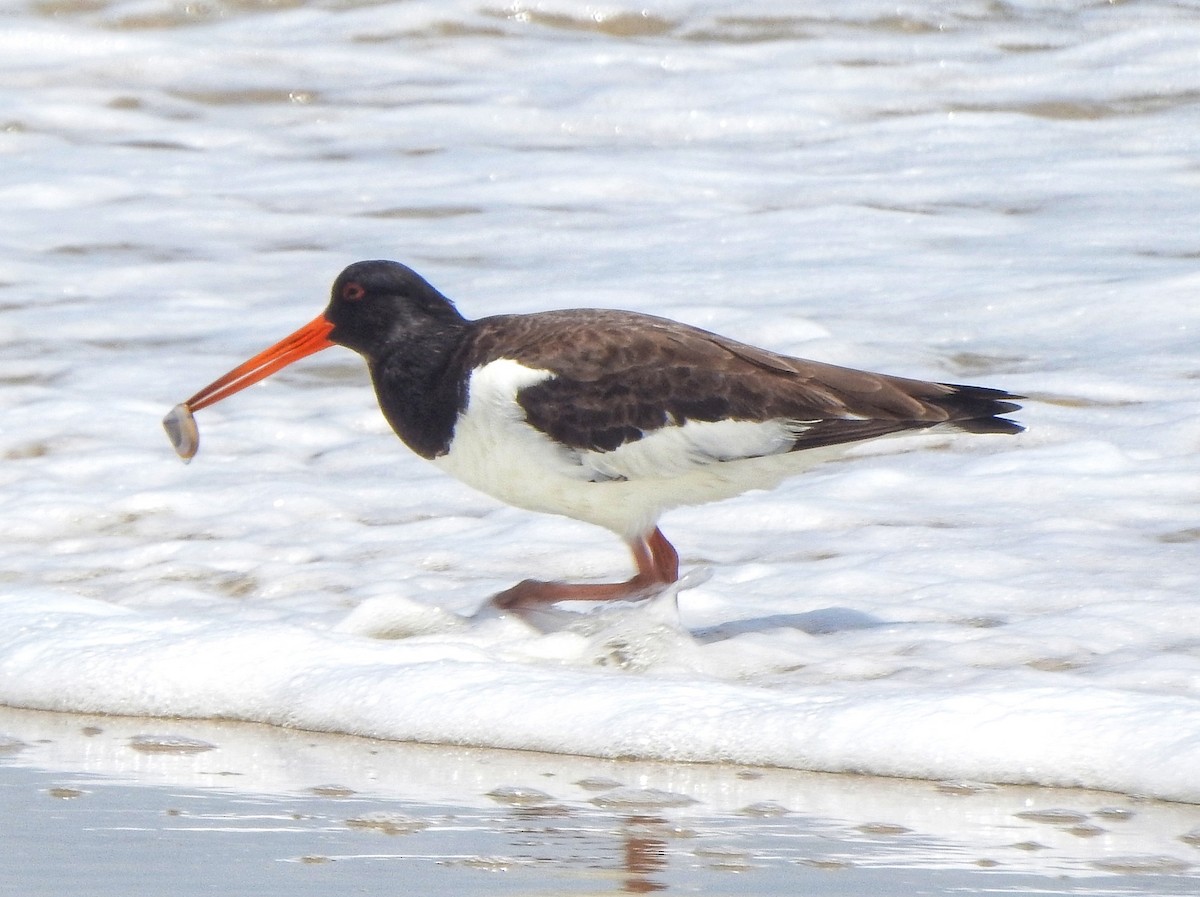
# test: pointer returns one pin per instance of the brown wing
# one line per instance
(621, 375)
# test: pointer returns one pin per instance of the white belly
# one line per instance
(495, 451)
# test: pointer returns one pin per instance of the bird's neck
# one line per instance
(421, 386)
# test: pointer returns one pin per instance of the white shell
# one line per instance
(182, 431)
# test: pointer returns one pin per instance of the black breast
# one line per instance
(421, 393)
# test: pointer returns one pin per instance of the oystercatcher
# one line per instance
(610, 417)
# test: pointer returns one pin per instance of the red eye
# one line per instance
(353, 291)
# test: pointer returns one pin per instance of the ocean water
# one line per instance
(1004, 194)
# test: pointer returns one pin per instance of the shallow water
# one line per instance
(291, 812)
(991, 193)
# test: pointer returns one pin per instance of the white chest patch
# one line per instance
(496, 451)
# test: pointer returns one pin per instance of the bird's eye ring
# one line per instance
(353, 291)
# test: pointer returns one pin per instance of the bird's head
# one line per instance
(374, 307)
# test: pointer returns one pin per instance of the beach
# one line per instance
(864, 678)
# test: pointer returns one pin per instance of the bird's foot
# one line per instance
(657, 567)
(656, 607)
(535, 593)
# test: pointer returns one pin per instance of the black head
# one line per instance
(376, 305)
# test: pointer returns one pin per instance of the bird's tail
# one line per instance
(976, 409)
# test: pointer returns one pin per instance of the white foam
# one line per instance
(974, 199)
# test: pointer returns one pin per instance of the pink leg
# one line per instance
(657, 566)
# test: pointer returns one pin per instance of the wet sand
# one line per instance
(121, 806)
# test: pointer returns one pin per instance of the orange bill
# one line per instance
(312, 337)
(179, 423)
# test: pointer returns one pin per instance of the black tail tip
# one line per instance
(1000, 425)
(979, 408)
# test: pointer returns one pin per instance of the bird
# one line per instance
(605, 416)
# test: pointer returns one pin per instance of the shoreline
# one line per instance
(297, 812)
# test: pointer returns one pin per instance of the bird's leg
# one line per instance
(657, 566)
(663, 558)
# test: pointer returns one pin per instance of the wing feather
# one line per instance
(620, 377)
